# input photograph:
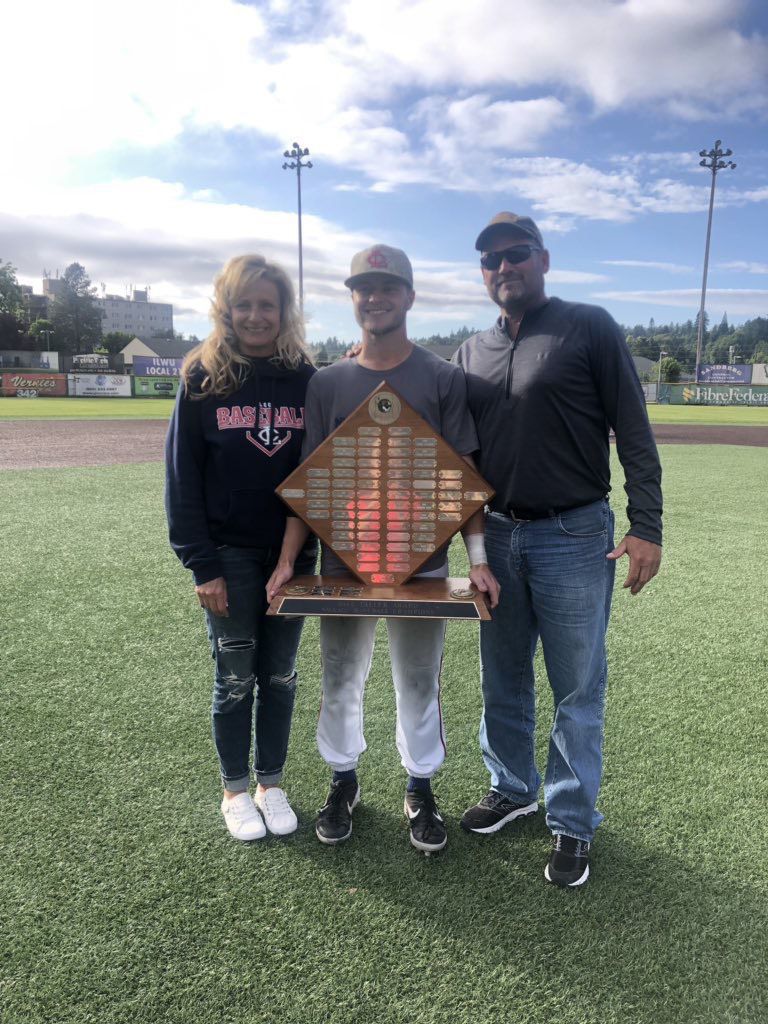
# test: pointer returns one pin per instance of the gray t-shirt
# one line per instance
(436, 389)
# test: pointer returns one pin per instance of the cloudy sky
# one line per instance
(146, 140)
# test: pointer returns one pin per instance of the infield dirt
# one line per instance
(49, 444)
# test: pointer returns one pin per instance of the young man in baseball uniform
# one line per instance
(381, 286)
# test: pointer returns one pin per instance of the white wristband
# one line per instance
(475, 545)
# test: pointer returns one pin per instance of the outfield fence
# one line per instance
(713, 394)
(31, 384)
(154, 384)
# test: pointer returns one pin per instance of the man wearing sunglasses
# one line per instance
(545, 384)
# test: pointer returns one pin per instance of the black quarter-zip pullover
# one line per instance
(544, 404)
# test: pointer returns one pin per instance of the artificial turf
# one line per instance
(85, 408)
(709, 415)
(123, 899)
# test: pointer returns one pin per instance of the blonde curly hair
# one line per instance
(222, 365)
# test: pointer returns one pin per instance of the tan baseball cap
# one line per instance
(380, 259)
(506, 220)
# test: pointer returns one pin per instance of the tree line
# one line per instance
(75, 325)
(724, 343)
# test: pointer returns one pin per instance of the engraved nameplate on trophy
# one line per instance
(384, 492)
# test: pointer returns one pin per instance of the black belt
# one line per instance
(527, 515)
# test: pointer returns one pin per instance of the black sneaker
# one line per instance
(568, 863)
(493, 812)
(427, 828)
(334, 820)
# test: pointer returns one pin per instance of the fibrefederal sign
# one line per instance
(713, 394)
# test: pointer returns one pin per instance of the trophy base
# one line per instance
(429, 598)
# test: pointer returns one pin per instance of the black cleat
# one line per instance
(494, 812)
(427, 828)
(334, 820)
(568, 863)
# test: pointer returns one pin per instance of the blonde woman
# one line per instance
(235, 434)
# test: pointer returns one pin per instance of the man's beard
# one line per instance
(510, 301)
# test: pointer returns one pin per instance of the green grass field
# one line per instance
(710, 415)
(124, 901)
(158, 409)
(85, 408)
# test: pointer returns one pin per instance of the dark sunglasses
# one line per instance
(517, 254)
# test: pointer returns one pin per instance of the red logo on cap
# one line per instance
(377, 259)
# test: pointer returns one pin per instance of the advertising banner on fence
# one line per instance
(99, 385)
(92, 362)
(156, 366)
(155, 387)
(33, 385)
(712, 394)
(723, 373)
(760, 373)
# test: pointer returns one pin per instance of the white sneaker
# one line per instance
(243, 820)
(278, 814)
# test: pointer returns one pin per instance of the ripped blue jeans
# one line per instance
(255, 677)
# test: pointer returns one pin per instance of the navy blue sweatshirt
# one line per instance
(224, 457)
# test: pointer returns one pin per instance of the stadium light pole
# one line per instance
(716, 163)
(295, 155)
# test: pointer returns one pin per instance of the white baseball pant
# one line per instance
(416, 653)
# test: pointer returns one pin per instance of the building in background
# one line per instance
(136, 316)
(36, 306)
(172, 352)
(52, 286)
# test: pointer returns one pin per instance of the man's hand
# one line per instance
(279, 577)
(213, 596)
(486, 582)
(644, 561)
(355, 350)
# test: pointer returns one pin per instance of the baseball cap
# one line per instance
(380, 259)
(524, 225)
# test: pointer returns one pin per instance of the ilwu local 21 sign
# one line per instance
(156, 366)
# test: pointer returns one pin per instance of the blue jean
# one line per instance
(556, 584)
(254, 659)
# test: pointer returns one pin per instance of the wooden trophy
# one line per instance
(384, 492)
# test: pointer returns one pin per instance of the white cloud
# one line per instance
(634, 51)
(737, 301)
(667, 268)
(574, 277)
(744, 267)
(145, 230)
(477, 122)
(441, 93)
(337, 73)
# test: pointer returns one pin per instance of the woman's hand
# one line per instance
(213, 596)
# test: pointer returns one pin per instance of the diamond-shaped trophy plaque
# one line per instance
(384, 492)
